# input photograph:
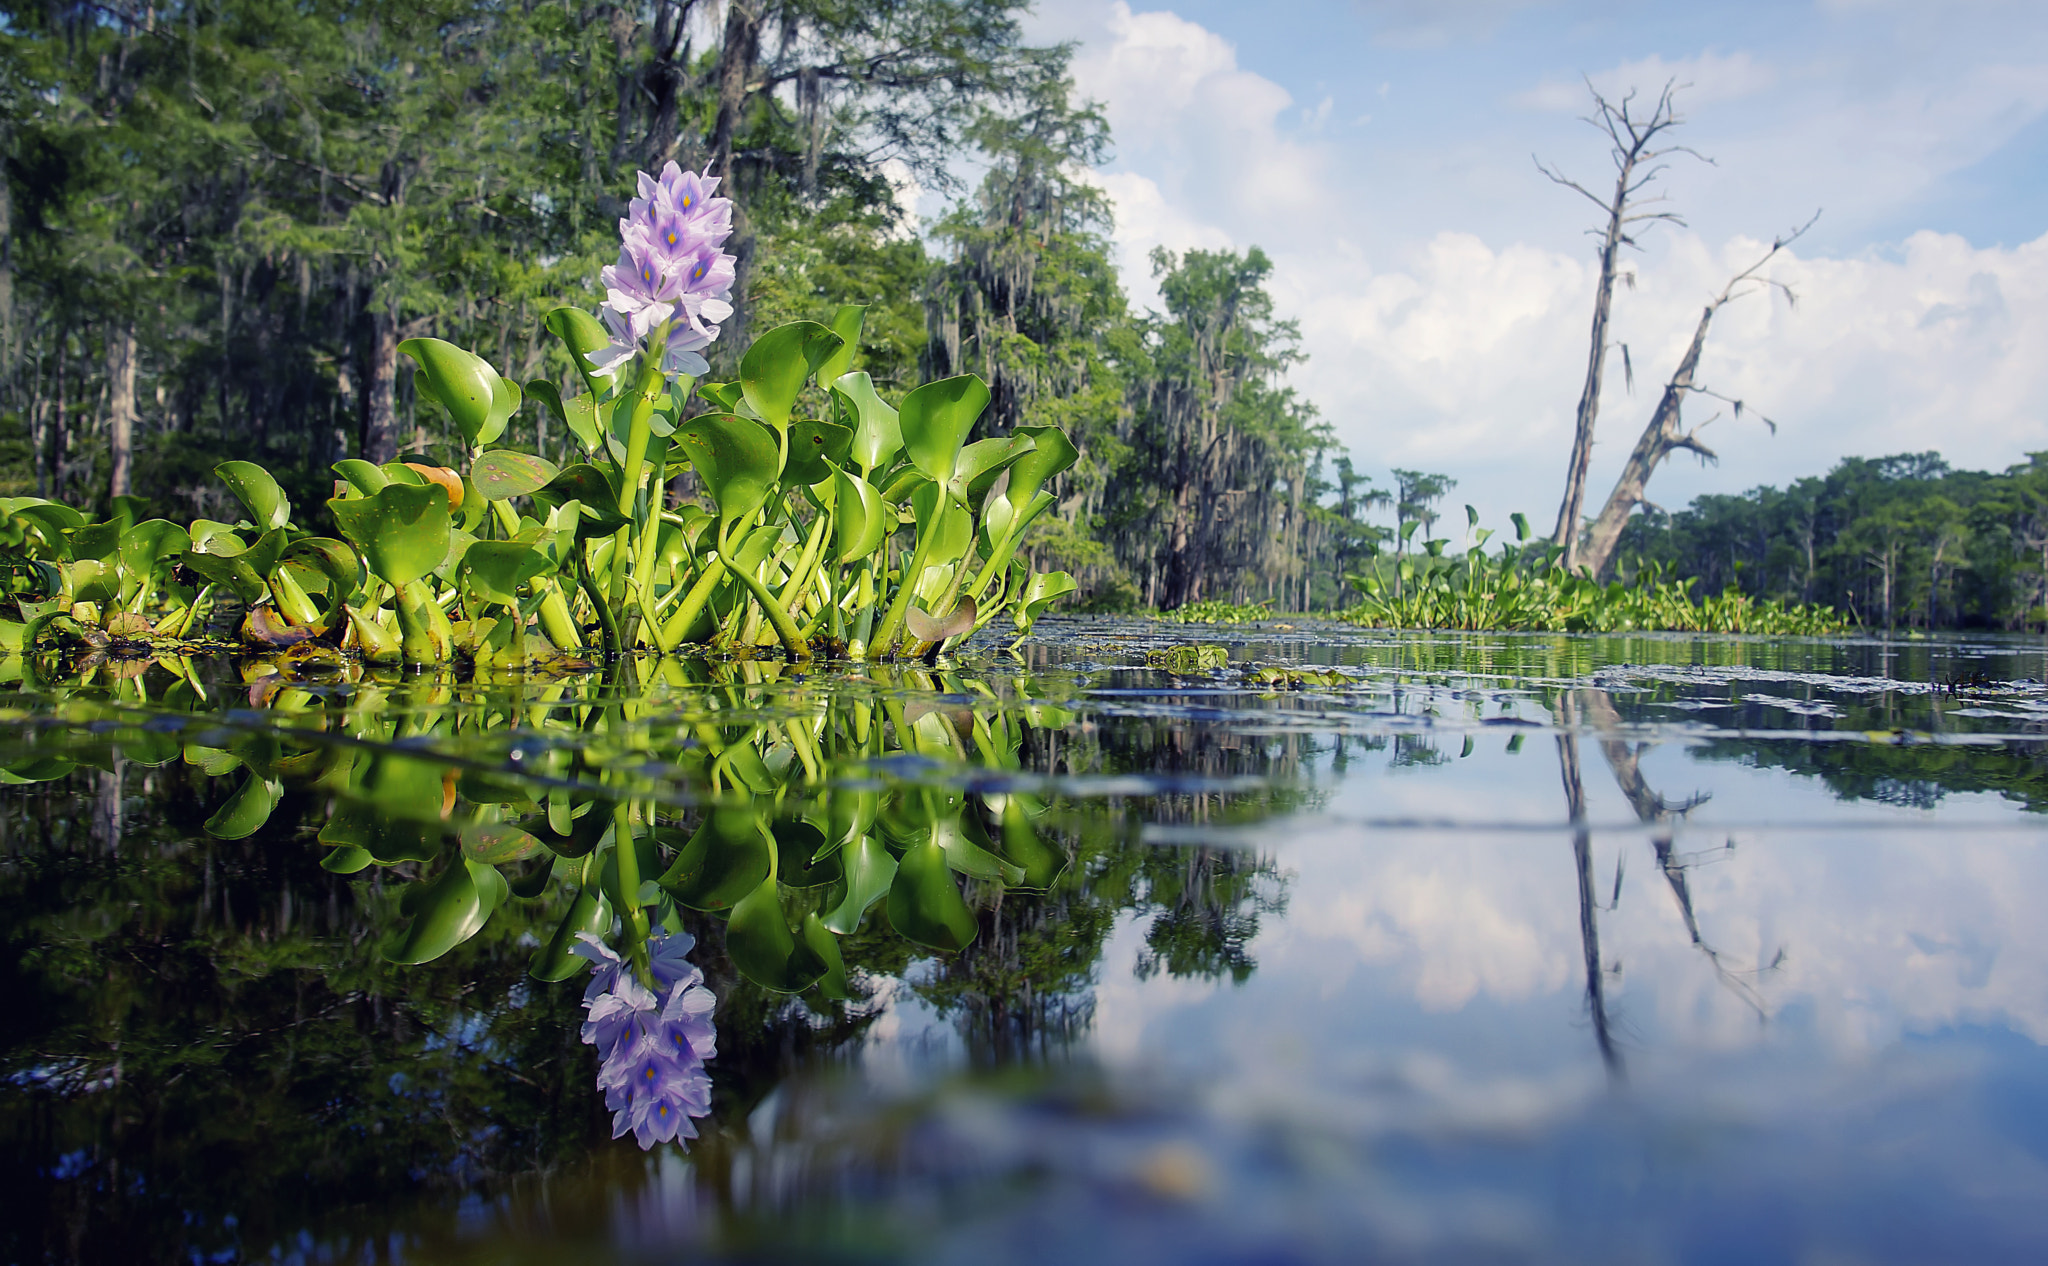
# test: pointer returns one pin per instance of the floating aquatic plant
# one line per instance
(813, 484)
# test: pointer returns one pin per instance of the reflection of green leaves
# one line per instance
(868, 871)
(726, 859)
(247, 809)
(758, 938)
(925, 905)
(556, 960)
(447, 910)
(796, 844)
(776, 366)
(404, 530)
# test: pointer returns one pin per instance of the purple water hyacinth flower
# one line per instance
(670, 269)
(652, 1042)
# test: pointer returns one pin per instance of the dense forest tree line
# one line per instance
(221, 217)
(1901, 541)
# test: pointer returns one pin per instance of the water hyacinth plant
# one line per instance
(835, 519)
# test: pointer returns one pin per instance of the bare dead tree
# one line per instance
(1637, 165)
(1664, 435)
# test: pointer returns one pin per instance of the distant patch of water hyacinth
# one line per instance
(670, 270)
(653, 1042)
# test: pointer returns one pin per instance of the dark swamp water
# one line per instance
(1454, 948)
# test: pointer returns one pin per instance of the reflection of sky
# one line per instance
(1860, 1048)
(1848, 1065)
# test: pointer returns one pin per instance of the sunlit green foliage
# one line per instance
(1895, 541)
(1524, 586)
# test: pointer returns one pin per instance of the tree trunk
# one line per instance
(736, 55)
(380, 411)
(1658, 440)
(6, 273)
(121, 405)
(1567, 533)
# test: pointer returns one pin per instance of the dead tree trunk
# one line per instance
(1664, 436)
(380, 410)
(1635, 169)
(121, 405)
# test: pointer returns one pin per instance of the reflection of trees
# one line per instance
(1914, 775)
(1590, 708)
(208, 1056)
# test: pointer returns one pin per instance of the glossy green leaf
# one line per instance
(725, 395)
(597, 497)
(925, 905)
(583, 335)
(877, 433)
(815, 448)
(737, 459)
(460, 380)
(860, 518)
(868, 870)
(331, 558)
(402, 530)
(946, 522)
(1042, 591)
(846, 323)
(726, 859)
(982, 462)
(364, 477)
(775, 368)
(505, 401)
(96, 541)
(969, 850)
(494, 570)
(267, 505)
(501, 474)
(758, 939)
(151, 542)
(1052, 453)
(936, 419)
(246, 810)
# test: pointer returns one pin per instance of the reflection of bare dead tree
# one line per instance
(1589, 905)
(1596, 708)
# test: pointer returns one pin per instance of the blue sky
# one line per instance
(1381, 153)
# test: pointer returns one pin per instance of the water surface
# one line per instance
(1424, 947)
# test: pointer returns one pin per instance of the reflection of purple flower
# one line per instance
(670, 269)
(653, 1043)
